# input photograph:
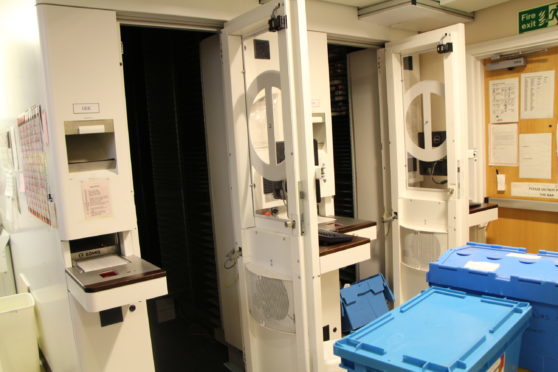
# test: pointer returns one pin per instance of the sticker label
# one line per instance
(86, 108)
(482, 266)
(524, 255)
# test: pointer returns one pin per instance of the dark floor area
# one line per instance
(184, 346)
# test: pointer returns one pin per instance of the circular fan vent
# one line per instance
(272, 298)
(269, 301)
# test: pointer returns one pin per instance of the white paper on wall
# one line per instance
(535, 160)
(503, 144)
(537, 95)
(504, 100)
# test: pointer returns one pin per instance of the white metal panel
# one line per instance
(367, 147)
(423, 215)
(335, 261)
(223, 214)
(119, 296)
(331, 317)
(81, 51)
(321, 104)
(124, 346)
(483, 217)
(270, 250)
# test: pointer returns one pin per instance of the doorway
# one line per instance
(169, 162)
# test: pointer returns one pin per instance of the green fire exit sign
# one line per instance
(540, 17)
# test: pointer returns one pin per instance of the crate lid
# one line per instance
(439, 330)
(364, 301)
(499, 270)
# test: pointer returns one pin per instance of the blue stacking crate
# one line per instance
(512, 273)
(440, 330)
(364, 301)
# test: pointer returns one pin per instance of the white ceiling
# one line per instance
(464, 5)
(356, 3)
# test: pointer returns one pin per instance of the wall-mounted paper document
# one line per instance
(537, 95)
(535, 152)
(504, 100)
(503, 144)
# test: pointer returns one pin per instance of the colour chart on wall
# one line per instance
(30, 127)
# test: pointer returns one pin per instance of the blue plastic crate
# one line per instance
(364, 301)
(439, 330)
(512, 273)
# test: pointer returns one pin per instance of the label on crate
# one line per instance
(524, 255)
(482, 266)
(498, 365)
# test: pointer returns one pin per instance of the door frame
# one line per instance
(476, 53)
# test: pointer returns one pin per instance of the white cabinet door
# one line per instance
(271, 171)
(427, 111)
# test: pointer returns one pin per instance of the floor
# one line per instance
(180, 344)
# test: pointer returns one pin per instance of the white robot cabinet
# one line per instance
(108, 283)
(279, 178)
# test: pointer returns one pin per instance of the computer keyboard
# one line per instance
(327, 237)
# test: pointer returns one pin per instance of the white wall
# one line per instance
(20, 62)
(498, 21)
(35, 246)
(331, 18)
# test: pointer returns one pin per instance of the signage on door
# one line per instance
(539, 17)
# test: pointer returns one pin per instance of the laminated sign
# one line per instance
(96, 198)
(540, 17)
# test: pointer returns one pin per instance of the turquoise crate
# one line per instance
(440, 330)
(510, 272)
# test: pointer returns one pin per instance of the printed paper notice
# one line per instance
(503, 144)
(537, 95)
(504, 100)
(96, 198)
(535, 155)
(535, 190)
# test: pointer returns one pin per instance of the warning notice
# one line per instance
(96, 198)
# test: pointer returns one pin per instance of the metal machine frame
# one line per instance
(441, 211)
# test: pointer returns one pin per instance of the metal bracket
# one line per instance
(277, 22)
(290, 223)
(442, 47)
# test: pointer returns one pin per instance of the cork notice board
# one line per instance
(534, 230)
(538, 62)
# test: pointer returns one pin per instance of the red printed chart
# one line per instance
(34, 163)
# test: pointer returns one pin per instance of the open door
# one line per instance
(427, 111)
(272, 189)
